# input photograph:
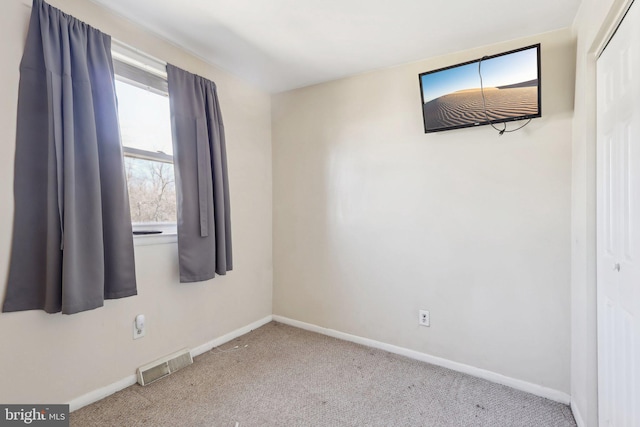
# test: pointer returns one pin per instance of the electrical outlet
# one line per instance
(139, 326)
(423, 318)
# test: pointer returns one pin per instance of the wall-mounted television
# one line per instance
(452, 97)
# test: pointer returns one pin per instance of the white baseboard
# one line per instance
(230, 336)
(101, 393)
(576, 415)
(528, 387)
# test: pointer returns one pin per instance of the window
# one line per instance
(145, 127)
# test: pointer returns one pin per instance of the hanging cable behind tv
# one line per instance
(484, 106)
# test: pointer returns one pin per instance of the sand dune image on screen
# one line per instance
(465, 106)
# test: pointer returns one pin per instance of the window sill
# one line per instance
(169, 234)
(155, 239)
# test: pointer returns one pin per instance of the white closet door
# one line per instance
(618, 203)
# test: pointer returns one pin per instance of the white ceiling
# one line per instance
(285, 44)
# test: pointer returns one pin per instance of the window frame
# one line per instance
(145, 72)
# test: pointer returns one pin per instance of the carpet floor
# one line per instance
(284, 376)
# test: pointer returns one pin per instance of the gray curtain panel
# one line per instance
(204, 224)
(72, 243)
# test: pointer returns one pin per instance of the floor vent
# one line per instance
(161, 368)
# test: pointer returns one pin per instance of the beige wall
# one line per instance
(592, 26)
(56, 358)
(374, 220)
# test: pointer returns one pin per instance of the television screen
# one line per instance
(457, 96)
